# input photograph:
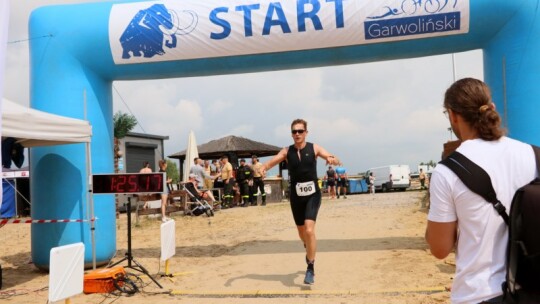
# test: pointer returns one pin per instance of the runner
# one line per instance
(305, 195)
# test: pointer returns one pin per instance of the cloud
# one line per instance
(219, 107)
(369, 114)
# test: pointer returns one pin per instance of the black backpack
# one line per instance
(523, 251)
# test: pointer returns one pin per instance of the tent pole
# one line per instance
(89, 194)
(90, 198)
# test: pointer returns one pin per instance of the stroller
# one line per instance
(197, 205)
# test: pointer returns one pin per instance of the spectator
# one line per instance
(146, 168)
(244, 177)
(204, 194)
(236, 196)
(228, 181)
(258, 182)
(218, 182)
(371, 183)
(331, 178)
(459, 217)
(198, 170)
(342, 180)
(164, 195)
(208, 182)
(422, 178)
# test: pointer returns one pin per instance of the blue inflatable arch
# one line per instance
(90, 45)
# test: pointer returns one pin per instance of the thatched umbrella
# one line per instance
(233, 146)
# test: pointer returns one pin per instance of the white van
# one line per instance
(391, 177)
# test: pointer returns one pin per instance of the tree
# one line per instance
(431, 163)
(172, 171)
(123, 124)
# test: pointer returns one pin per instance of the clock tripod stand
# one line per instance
(131, 262)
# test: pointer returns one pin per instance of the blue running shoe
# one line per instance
(310, 277)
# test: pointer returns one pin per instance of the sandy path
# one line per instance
(370, 249)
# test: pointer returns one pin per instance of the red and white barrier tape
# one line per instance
(17, 221)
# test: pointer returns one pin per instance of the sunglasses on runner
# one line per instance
(298, 131)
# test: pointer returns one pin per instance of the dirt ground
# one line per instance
(371, 249)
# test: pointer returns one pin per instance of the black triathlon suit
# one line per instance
(303, 170)
(331, 178)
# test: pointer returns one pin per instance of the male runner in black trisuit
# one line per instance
(305, 195)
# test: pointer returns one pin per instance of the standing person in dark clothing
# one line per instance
(258, 181)
(305, 196)
(244, 176)
(331, 177)
(342, 181)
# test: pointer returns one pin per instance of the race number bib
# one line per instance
(305, 189)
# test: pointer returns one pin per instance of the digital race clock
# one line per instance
(128, 183)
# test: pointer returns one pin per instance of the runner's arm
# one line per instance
(281, 156)
(321, 152)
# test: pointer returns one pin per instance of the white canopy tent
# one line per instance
(34, 128)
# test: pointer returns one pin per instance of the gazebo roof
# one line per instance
(242, 147)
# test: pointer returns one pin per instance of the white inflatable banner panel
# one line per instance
(168, 30)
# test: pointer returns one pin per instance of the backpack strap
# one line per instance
(536, 150)
(476, 179)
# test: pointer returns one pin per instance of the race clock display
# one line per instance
(128, 183)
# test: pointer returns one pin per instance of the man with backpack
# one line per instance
(462, 218)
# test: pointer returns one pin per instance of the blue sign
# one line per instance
(417, 25)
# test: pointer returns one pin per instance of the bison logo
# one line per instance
(152, 28)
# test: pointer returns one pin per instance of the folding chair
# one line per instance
(197, 205)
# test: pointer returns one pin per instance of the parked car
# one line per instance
(392, 177)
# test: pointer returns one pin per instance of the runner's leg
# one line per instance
(308, 231)
(301, 234)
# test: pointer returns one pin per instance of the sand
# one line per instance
(371, 249)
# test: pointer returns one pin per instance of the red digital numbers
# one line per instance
(132, 184)
(124, 184)
(128, 183)
(117, 183)
(158, 180)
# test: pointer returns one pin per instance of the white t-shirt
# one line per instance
(482, 233)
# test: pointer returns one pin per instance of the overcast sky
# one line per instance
(368, 115)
